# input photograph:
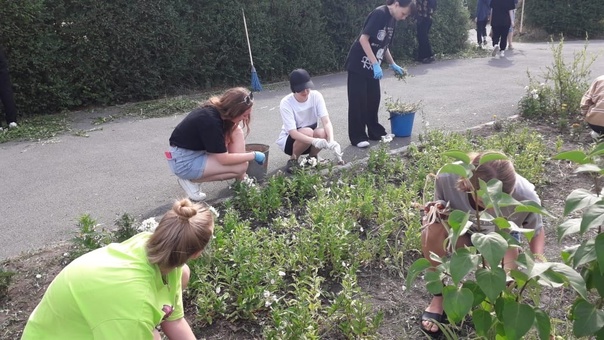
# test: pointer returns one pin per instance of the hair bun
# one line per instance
(184, 209)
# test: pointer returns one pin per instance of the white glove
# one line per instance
(337, 149)
(320, 143)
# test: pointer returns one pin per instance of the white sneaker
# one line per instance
(12, 125)
(502, 54)
(495, 50)
(362, 144)
(192, 189)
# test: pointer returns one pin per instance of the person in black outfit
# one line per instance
(363, 64)
(425, 10)
(209, 143)
(6, 92)
(502, 18)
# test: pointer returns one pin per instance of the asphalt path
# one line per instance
(45, 186)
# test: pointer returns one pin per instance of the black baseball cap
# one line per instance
(299, 80)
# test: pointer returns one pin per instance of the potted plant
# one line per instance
(402, 115)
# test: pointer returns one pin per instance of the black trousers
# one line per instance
(500, 36)
(6, 90)
(363, 105)
(424, 49)
(481, 31)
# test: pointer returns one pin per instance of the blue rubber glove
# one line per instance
(377, 71)
(259, 157)
(397, 69)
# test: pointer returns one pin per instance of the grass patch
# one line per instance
(37, 128)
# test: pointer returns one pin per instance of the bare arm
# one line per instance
(300, 137)
(364, 41)
(178, 330)
(328, 128)
(388, 56)
(226, 158)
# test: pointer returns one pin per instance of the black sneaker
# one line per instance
(291, 166)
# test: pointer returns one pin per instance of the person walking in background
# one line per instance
(125, 290)
(483, 11)
(363, 64)
(458, 194)
(6, 93)
(592, 107)
(502, 13)
(511, 31)
(425, 10)
(209, 143)
(300, 113)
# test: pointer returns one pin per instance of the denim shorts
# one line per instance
(187, 164)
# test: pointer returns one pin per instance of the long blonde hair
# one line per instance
(183, 231)
(501, 169)
(231, 104)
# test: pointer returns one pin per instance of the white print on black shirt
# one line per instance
(381, 35)
(366, 63)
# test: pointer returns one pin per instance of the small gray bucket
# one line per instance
(254, 169)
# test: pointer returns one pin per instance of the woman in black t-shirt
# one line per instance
(209, 144)
(364, 70)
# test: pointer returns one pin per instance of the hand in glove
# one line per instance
(259, 157)
(397, 69)
(337, 149)
(377, 71)
(320, 143)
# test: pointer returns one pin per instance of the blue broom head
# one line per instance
(256, 86)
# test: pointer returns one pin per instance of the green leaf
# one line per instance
(543, 324)
(457, 169)
(491, 156)
(416, 268)
(575, 279)
(574, 156)
(434, 283)
(491, 281)
(587, 319)
(588, 168)
(461, 264)
(482, 322)
(457, 302)
(593, 217)
(501, 223)
(600, 252)
(569, 227)
(459, 223)
(597, 151)
(518, 318)
(458, 155)
(585, 253)
(579, 199)
(492, 247)
(479, 295)
(532, 207)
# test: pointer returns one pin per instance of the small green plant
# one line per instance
(5, 281)
(557, 96)
(89, 237)
(399, 107)
(588, 256)
(126, 228)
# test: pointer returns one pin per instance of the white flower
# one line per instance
(272, 281)
(268, 303)
(362, 230)
(38, 276)
(281, 273)
(148, 225)
(535, 96)
(266, 294)
(218, 290)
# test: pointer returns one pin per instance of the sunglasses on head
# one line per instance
(249, 99)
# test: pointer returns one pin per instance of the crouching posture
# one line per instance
(455, 193)
(125, 290)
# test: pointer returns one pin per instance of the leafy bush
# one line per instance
(588, 255)
(576, 19)
(558, 95)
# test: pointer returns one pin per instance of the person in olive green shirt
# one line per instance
(125, 290)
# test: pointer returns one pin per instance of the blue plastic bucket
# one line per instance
(402, 125)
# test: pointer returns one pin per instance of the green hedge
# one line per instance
(67, 54)
(572, 18)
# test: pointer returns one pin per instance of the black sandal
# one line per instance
(435, 318)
